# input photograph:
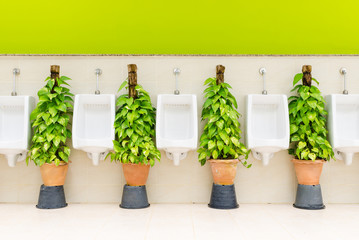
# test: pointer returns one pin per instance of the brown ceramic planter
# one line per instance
(53, 175)
(308, 172)
(224, 171)
(135, 174)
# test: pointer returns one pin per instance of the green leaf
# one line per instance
(211, 144)
(293, 128)
(235, 141)
(304, 95)
(297, 78)
(312, 104)
(215, 154)
(62, 107)
(311, 116)
(207, 103)
(302, 145)
(209, 80)
(122, 86)
(295, 138)
(52, 111)
(43, 91)
(220, 145)
(315, 80)
(224, 137)
(312, 156)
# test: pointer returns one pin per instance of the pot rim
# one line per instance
(62, 163)
(137, 164)
(317, 161)
(223, 160)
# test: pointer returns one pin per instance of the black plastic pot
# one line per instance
(134, 197)
(309, 197)
(223, 197)
(51, 197)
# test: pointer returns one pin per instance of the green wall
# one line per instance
(179, 27)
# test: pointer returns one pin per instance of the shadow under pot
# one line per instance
(309, 193)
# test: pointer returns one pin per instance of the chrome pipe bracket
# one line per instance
(344, 72)
(15, 72)
(98, 72)
(176, 72)
(263, 71)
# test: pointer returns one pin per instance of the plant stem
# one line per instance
(307, 75)
(220, 74)
(132, 80)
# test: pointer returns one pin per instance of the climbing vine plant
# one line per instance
(221, 135)
(135, 129)
(50, 121)
(308, 133)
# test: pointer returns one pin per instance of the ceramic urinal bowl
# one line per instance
(15, 127)
(92, 127)
(343, 125)
(267, 125)
(176, 125)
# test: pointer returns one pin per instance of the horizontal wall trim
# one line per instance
(181, 55)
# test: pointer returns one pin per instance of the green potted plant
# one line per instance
(50, 122)
(133, 145)
(308, 137)
(220, 142)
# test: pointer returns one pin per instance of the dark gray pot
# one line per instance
(51, 197)
(134, 197)
(223, 197)
(309, 197)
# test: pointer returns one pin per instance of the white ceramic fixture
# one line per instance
(267, 123)
(15, 128)
(343, 125)
(176, 125)
(93, 120)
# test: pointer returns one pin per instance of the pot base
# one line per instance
(51, 197)
(309, 197)
(134, 197)
(223, 197)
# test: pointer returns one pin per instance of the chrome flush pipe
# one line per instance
(263, 71)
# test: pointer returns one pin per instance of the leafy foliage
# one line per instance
(220, 139)
(308, 132)
(135, 129)
(50, 120)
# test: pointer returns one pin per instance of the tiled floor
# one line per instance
(178, 221)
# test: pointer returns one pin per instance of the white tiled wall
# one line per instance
(188, 182)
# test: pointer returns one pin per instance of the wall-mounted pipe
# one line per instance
(263, 71)
(344, 71)
(176, 72)
(15, 72)
(98, 72)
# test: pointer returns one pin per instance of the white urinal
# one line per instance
(176, 125)
(92, 127)
(15, 128)
(267, 125)
(343, 125)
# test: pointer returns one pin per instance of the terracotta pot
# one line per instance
(224, 171)
(308, 172)
(135, 174)
(53, 175)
